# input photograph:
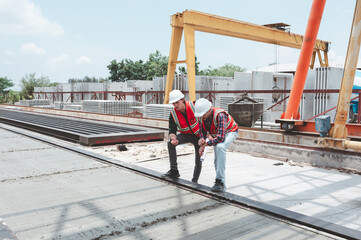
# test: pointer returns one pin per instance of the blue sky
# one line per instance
(65, 39)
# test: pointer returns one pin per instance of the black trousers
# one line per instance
(185, 138)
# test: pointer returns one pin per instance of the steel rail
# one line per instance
(81, 131)
(65, 122)
(83, 128)
(243, 202)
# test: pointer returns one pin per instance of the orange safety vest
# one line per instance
(181, 122)
(231, 126)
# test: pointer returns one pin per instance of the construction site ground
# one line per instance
(326, 194)
(50, 193)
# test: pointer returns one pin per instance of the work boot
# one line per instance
(196, 173)
(218, 186)
(172, 174)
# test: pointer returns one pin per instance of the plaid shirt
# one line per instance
(221, 128)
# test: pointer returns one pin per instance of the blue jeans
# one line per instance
(220, 151)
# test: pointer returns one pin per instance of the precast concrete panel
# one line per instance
(203, 83)
(157, 111)
(95, 87)
(67, 87)
(281, 81)
(105, 88)
(180, 82)
(308, 99)
(48, 89)
(132, 86)
(39, 90)
(326, 78)
(243, 81)
(334, 79)
(263, 81)
(117, 86)
(144, 85)
(271, 81)
(77, 87)
(158, 83)
(222, 84)
(59, 96)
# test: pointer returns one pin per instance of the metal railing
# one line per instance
(158, 96)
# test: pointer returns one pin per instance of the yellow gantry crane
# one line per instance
(191, 21)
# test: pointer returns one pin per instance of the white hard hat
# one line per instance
(175, 95)
(202, 106)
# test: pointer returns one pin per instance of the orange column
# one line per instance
(304, 60)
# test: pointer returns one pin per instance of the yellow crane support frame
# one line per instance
(191, 21)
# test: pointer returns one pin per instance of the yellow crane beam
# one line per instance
(339, 129)
(191, 21)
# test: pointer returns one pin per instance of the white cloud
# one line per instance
(31, 48)
(24, 17)
(83, 60)
(335, 60)
(9, 62)
(78, 36)
(58, 63)
(9, 53)
(288, 52)
(348, 12)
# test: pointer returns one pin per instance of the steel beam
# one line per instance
(84, 132)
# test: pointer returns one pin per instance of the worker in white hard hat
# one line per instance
(221, 130)
(182, 119)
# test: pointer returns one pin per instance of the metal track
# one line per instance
(81, 131)
(260, 207)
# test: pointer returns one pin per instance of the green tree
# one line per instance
(5, 83)
(157, 65)
(183, 69)
(127, 69)
(134, 70)
(113, 70)
(226, 70)
(29, 82)
(13, 96)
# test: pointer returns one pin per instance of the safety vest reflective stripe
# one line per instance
(181, 122)
(231, 125)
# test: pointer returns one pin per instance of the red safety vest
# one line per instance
(181, 122)
(231, 126)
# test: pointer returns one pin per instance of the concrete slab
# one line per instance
(98, 201)
(303, 154)
(21, 158)
(5, 232)
(326, 194)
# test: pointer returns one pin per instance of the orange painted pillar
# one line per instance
(304, 60)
